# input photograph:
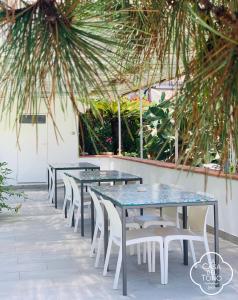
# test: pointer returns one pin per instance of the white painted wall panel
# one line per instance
(65, 149)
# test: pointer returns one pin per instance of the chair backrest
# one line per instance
(98, 208)
(68, 190)
(197, 215)
(197, 218)
(76, 192)
(171, 213)
(114, 219)
(51, 178)
(50, 172)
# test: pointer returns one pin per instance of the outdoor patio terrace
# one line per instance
(41, 258)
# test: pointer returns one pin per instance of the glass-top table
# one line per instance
(151, 195)
(68, 166)
(154, 195)
(98, 176)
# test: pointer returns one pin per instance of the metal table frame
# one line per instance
(84, 181)
(184, 205)
(80, 166)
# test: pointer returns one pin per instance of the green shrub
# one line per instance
(6, 191)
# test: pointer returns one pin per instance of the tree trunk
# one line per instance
(114, 128)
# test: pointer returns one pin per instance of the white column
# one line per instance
(232, 154)
(141, 125)
(176, 145)
(119, 127)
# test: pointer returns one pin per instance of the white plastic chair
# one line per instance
(197, 216)
(76, 204)
(51, 189)
(67, 194)
(99, 228)
(170, 217)
(134, 237)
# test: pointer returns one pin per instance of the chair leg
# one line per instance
(64, 205)
(49, 191)
(109, 247)
(162, 265)
(138, 254)
(71, 214)
(77, 220)
(69, 208)
(166, 254)
(100, 242)
(149, 256)
(181, 245)
(153, 257)
(51, 196)
(144, 253)
(192, 251)
(118, 269)
(207, 251)
(93, 246)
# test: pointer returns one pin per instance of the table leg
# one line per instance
(92, 219)
(72, 195)
(141, 209)
(161, 212)
(48, 179)
(185, 243)
(65, 211)
(126, 210)
(105, 231)
(124, 266)
(55, 188)
(82, 211)
(216, 243)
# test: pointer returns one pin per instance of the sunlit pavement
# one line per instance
(41, 258)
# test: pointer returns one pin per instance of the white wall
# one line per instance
(8, 146)
(225, 191)
(63, 149)
(157, 94)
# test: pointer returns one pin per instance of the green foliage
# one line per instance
(6, 191)
(63, 48)
(82, 49)
(196, 39)
(207, 148)
(101, 122)
(159, 131)
(100, 126)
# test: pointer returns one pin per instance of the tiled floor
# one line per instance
(41, 258)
